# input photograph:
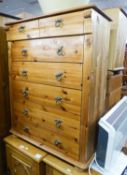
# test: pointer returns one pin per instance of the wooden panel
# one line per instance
(94, 83)
(113, 97)
(65, 75)
(4, 83)
(25, 148)
(24, 30)
(118, 37)
(68, 146)
(114, 82)
(34, 114)
(45, 96)
(51, 171)
(56, 165)
(67, 49)
(20, 164)
(62, 24)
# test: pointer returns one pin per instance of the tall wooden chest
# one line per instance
(58, 72)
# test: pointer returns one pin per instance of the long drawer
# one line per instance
(67, 49)
(53, 101)
(65, 24)
(64, 75)
(24, 30)
(34, 114)
(65, 145)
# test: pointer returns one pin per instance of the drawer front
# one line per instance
(24, 30)
(53, 101)
(64, 75)
(20, 164)
(67, 24)
(34, 114)
(69, 147)
(52, 50)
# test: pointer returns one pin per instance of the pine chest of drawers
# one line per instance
(58, 68)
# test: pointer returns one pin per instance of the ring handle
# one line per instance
(59, 23)
(59, 76)
(24, 52)
(25, 92)
(58, 123)
(60, 51)
(58, 100)
(57, 142)
(21, 29)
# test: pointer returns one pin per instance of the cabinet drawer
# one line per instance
(67, 24)
(65, 74)
(45, 137)
(67, 49)
(53, 101)
(24, 30)
(34, 114)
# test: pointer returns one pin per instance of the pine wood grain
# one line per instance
(24, 30)
(67, 49)
(45, 97)
(46, 73)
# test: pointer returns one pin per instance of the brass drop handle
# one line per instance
(25, 111)
(59, 23)
(57, 142)
(21, 29)
(16, 163)
(26, 129)
(59, 76)
(24, 73)
(24, 52)
(60, 51)
(58, 100)
(25, 92)
(58, 123)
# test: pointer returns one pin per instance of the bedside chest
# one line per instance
(23, 158)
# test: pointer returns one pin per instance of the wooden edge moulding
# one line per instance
(90, 79)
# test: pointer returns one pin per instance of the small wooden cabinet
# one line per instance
(23, 158)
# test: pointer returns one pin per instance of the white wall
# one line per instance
(57, 5)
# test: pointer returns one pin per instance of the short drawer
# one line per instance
(58, 74)
(67, 49)
(67, 24)
(34, 114)
(68, 146)
(24, 30)
(49, 100)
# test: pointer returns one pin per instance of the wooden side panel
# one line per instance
(4, 90)
(87, 80)
(67, 49)
(65, 75)
(95, 76)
